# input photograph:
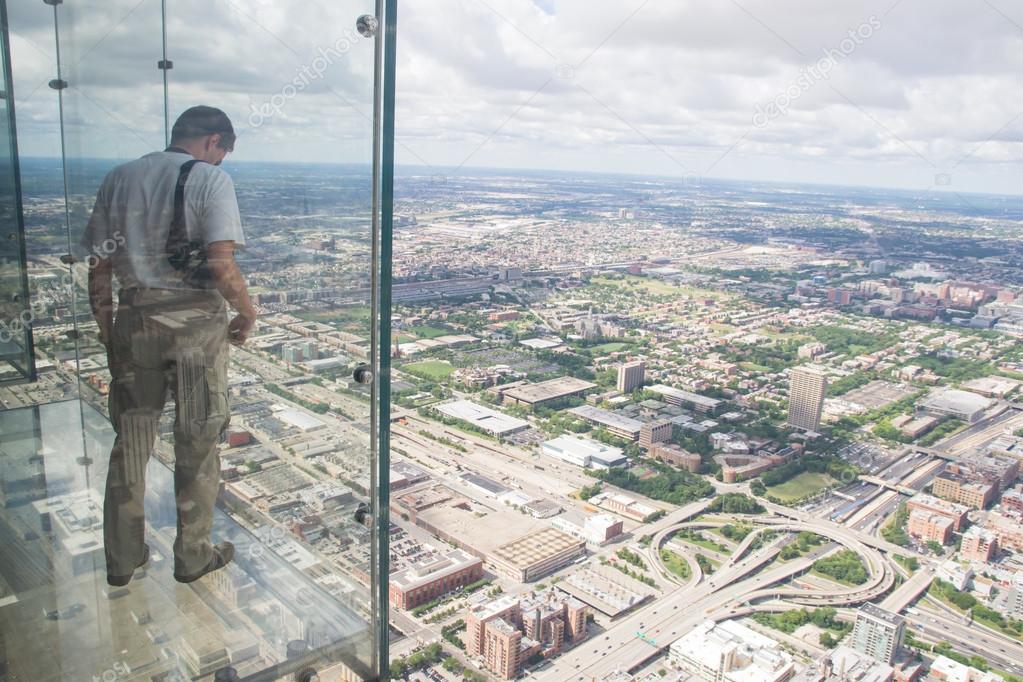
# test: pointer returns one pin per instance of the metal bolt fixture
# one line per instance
(363, 374)
(367, 25)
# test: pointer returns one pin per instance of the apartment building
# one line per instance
(807, 389)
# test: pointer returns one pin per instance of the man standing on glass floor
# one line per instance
(172, 219)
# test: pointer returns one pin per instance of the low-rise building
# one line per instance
(433, 577)
(535, 555)
(531, 395)
(964, 490)
(1007, 527)
(695, 401)
(929, 527)
(944, 669)
(619, 425)
(954, 573)
(584, 452)
(731, 651)
(624, 505)
(950, 402)
(674, 455)
(596, 529)
(979, 544)
(951, 510)
(508, 631)
(491, 421)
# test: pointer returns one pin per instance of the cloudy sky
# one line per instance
(923, 94)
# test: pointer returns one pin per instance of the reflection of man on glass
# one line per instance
(166, 226)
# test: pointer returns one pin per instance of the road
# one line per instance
(927, 622)
(718, 596)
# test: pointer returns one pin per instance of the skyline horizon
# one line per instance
(402, 169)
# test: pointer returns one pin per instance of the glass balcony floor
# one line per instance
(59, 620)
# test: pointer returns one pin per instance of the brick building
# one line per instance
(979, 545)
(433, 578)
(508, 631)
(955, 512)
(930, 527)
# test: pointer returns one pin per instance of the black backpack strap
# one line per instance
(178, 235)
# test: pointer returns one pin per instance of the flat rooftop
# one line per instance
(549, 390)
(685, 396)
(535, 548)
(607, 418)
(428, 570)
(883, 615)
(951, 399)
(489, 420)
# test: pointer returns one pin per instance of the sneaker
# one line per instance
(122, 580)
(223, 553)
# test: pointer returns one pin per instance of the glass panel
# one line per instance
(147, 455)
(34, 68)
(17, 361)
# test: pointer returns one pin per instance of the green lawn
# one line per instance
(753, 367)
(676, 564)
(612, 347)
(434, 370)
(701, 541)
(428, 332)
(658, 287)
(353, 319)
(798, 487)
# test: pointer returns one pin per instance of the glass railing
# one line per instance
(241, 440)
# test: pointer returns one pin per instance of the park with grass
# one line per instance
(802, 485)
(432, 370)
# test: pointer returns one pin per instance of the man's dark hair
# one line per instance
(201, 121)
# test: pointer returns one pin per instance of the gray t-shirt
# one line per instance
(134, 209)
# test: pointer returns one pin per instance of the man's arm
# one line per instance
(231, 284)
(101, 298)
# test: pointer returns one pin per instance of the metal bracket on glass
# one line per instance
(367, 25)
(57, 84)
(165, 65)
(73, 334)
(53, 2)
(227, 674)
(363, 374)
(364, 515)
(68, 259)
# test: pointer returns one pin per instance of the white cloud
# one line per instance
(655, 86)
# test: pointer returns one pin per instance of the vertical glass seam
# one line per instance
(386, 228)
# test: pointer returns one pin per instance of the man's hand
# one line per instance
(231, 285)
(239, 328)
(101, 299)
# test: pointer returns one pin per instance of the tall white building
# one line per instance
(807, 387)
(877, 633)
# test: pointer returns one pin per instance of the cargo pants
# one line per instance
(166, 342)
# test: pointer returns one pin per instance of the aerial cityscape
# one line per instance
(641, 429)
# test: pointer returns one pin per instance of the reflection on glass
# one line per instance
(194, 513)
(17, 360)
